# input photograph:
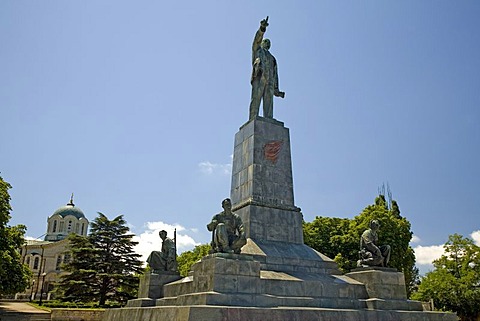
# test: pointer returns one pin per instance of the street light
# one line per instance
(42, 267)
(41, 290)
(31, 291)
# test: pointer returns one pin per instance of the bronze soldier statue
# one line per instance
(166, 259)
(370, 253)
(228, 234)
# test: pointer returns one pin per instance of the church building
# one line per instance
(45, 257)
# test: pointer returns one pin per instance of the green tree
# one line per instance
(322, 233)
(454, 284)
(188, 258)
(104, 266)
(396, 231)
(340, 238)
(119, 265)
(14, 275)
(76, 286)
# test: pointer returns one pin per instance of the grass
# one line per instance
(54, 304)
(41, 307)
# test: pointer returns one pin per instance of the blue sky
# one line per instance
(133, 106)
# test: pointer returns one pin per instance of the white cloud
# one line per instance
(211, 168)
(476, 237)
(415, 239)
(159, 225)
(426, 254)
(149, 240)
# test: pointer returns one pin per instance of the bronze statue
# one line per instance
(264, 78)
(228, 235)
(166, 259)
(370, 253)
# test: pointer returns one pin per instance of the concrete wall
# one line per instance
(77, 315)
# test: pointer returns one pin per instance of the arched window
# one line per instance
(35, 263)
(28, 261)
(83, 229)
(77, 227)
(59, 261)
(54, 226)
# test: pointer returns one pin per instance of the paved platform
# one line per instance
(16, 306)
(21, 311)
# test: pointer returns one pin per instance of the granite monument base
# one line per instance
(238, 280)
(151, 288)
(234, 287)
(226, 313)
(386, 289)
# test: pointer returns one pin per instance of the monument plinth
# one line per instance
(151, 288)
(262, 182)
(262, 194)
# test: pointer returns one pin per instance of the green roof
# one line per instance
(69, 209)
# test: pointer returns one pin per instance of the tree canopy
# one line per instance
(77, 286)
(454, 284)
(14, 275)
(188, 258)
(339, 238)
(103, 265)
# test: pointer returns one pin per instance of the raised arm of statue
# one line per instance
(257, 40)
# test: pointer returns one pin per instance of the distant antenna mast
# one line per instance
(389, 195)
(381, 189)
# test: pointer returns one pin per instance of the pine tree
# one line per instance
(76, 286)
(118, 265)
(103, 266)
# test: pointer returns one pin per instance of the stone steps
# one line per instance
(221, 313)
(237, 280)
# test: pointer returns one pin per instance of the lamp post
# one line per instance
(31, 290)
(42, 267)
(41, 290)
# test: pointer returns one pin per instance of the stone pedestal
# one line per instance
(237, 280)
(262, 182)
(235, 313)
(151, 288)
(262, 194)
(234, 287)
(386, 289)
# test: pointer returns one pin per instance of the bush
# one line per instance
(79, 305)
